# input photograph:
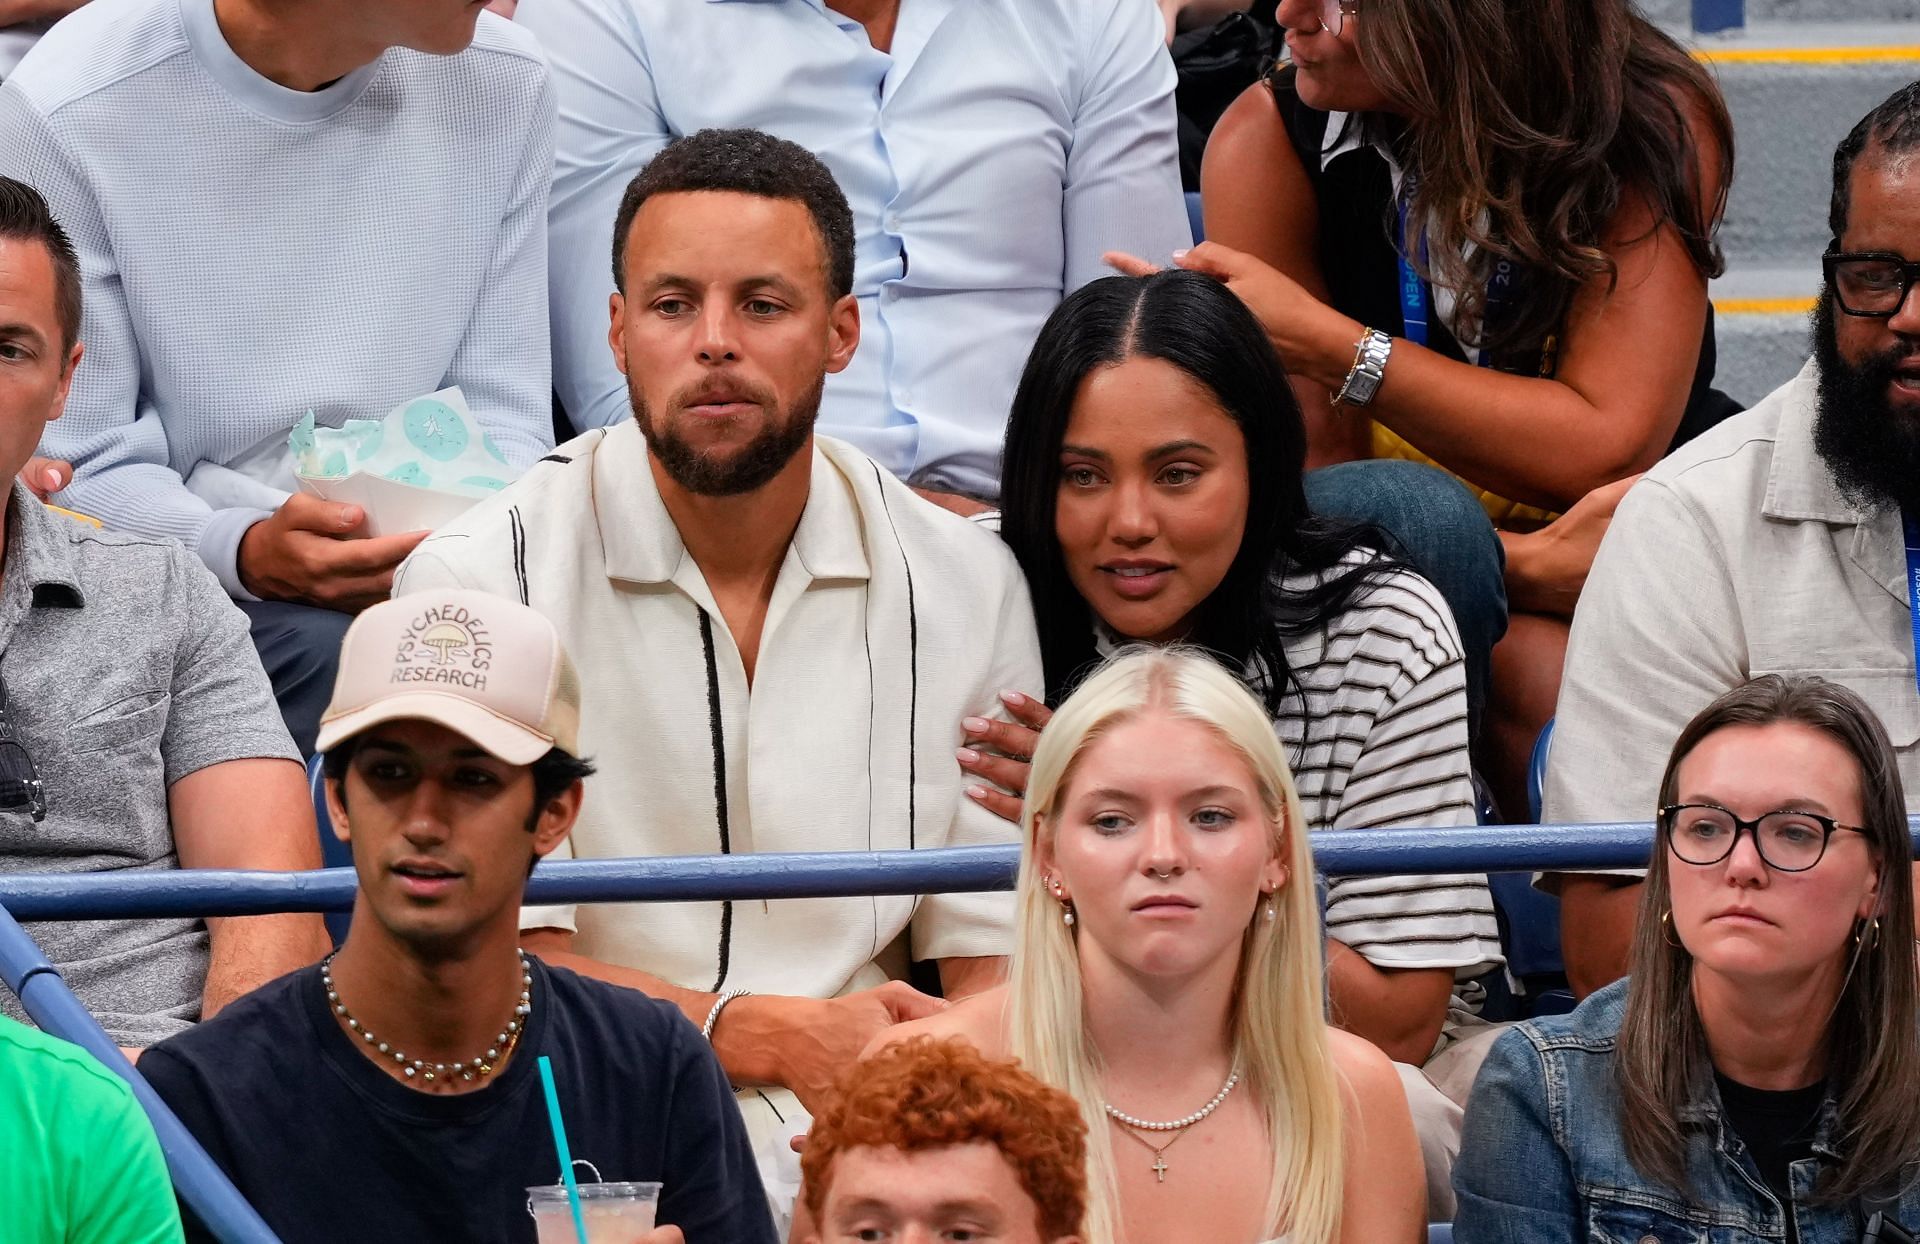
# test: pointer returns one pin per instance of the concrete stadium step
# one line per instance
(1795, 87)
(1679, 12)
(1762, 329)
(1794, 91)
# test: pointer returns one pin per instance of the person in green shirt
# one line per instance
(82, 1164)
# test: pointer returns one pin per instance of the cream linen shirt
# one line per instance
(890, 620)
(1736, 556)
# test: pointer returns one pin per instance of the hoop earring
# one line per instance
(1867, 936)
(1666, 930)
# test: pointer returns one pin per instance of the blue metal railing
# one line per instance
(201, 1184)
(709, 878)
(153, 895)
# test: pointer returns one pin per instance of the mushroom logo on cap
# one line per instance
(445, 644)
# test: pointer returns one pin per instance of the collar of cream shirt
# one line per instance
(1800, 487)
(643, 546)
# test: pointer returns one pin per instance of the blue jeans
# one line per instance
(300, 647)
(1446, 536)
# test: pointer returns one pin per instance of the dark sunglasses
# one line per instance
(20, 788)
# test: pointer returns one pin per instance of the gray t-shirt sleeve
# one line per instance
(222, 704)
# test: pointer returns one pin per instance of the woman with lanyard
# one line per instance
(1167, 974)
(1480, 235)
(1755, 1078)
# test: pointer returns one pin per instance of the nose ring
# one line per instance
(1164, 875)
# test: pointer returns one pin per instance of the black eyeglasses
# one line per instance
(20, 787)
(1788, 842)
(1871, 284)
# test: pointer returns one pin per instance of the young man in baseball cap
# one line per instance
(392, 1092)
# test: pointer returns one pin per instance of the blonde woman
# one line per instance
(1168, 976)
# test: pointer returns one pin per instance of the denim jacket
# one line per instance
(1543, 1159)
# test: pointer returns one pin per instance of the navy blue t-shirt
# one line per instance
(329, 1147)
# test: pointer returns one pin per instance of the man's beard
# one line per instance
(781, 435)
(1872, 449)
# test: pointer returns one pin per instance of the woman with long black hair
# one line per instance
(1152, 492)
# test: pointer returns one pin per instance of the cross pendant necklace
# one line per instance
(1159, 1167)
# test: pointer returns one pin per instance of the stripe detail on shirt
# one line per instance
(719, 788)
(913, 666)
(519, 531)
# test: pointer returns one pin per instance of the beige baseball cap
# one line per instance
(485, 667)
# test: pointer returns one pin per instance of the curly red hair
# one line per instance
(928, 1094)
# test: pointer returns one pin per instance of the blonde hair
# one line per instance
(1278, 1024)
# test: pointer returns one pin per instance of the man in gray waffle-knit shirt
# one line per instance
(137, 729)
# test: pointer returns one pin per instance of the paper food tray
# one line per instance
(392, 508)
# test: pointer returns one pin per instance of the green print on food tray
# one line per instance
(435, 430)
(484, 481)
(409, 473)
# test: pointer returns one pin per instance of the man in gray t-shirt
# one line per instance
(137, 729)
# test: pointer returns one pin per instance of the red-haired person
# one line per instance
(928, 1139)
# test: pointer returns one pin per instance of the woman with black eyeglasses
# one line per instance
(1757, 1078)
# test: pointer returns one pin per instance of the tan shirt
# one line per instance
(890, 620)
(1735, 556)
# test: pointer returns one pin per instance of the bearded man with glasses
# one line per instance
(1786, 540)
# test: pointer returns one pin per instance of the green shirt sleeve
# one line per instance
(82, 1164)
(121, 1192)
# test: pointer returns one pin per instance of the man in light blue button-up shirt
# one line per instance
(991, 150)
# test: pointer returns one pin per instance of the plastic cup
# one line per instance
(614, 1213)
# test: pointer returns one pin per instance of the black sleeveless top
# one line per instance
(1360, 260)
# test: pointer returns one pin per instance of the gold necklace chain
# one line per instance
(1159, 1167)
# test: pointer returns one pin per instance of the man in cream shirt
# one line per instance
(1770, 545)
(778, 640)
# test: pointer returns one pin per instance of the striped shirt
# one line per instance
(1381, 740)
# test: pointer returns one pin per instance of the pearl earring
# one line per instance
(1066, 904)
(1272, 913)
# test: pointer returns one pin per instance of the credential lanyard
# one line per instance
(1912, 528)
(1416, 294)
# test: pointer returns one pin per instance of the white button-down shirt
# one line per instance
(990, 157)
(890, 621)
(1735, 556)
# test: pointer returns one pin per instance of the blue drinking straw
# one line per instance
(560, 1143)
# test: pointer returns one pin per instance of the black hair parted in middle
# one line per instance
(1201, 327)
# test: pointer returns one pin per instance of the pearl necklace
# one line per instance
(503, 1042)
(1178, 1124)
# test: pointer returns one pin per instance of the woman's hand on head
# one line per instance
(1314, 340)
(1001, 752)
